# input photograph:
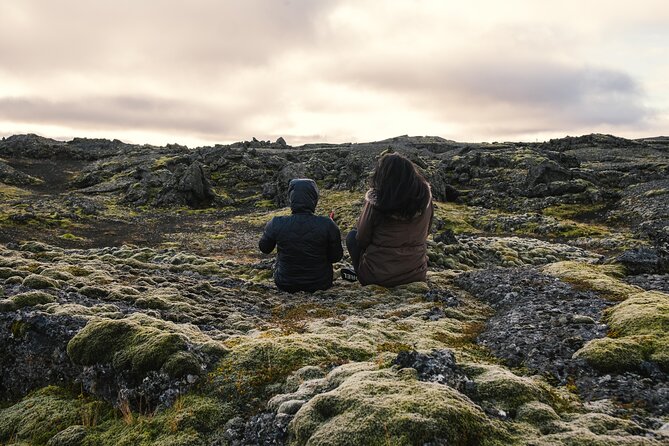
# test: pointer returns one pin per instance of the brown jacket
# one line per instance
(395, 249)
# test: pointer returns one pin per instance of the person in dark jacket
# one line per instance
(389, 246)
(307, 245)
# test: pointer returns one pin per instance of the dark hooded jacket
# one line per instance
(307, 244)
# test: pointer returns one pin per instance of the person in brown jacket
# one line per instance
(389, 247)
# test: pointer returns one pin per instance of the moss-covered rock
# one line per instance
(255, 363)
(27, 299)
(603, 279)
(506, 390)
(380, 407)
(642, 313)
(640, 325)
(71, 436)
(31, 298)
(536, 413)
(616, 355)
(40, 416)
(6, 273)
(130, 345)
(39, 282)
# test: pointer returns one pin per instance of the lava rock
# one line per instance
(645, 260)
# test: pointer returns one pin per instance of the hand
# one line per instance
(332, 215)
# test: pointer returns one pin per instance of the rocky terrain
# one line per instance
(135, 308)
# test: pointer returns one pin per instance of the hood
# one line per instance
(303, 195)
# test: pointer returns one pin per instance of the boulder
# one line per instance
(645, 260)
(187, 186)
(547, 172)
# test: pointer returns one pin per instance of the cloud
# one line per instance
(342, 69)
(118, 113)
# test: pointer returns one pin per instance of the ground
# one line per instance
(135, 308)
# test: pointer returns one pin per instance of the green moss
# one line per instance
(19, 328)
(639, 325)
(199, 413)
(596, 429)
(456, 217)
(643, 313)
(10, 192)
(164, 161)
(267, 204)
(39, 282)
(181, 364)
(57, 274)
(616, 355)
(602, 279)
(255, 363)
(41, 415)
(94, 292)
(508, 391)
(6, 273)
(536, 413)
(192, 420)
(6, 305)
(71, 436)
(127, 344)
(571, 211)
(656, 192)
(384, 407)
(69, 236)
(31, 298)
(660, 353)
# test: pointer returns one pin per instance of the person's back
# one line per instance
(307, 245)
(396, 252)
(389, 247)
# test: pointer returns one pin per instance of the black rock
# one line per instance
(645, 261)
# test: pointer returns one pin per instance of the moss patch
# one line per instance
(135, 344)
(31, 298)
(616, 355)
(506, 390)
(640, 327)
(382, 407)
(42, 415)
(39, 282)
(603, 279)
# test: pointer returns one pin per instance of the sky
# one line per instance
(202, 72)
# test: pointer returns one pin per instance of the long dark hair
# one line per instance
(398, 188)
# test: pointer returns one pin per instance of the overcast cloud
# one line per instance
(207, 71)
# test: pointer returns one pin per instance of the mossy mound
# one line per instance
(537, 414)
(55, 417)
(31, 298)
(27, 299)
(640, 330)
(39, 282)
(580, 429)
(192, 420)
(603, 279)
(255, 363)
(506, 390)
(382, 407)
(616, 355)
(136, 345)
(42, 415)
(642, 313)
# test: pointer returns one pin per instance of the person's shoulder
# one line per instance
(277, 220)
(322, 219)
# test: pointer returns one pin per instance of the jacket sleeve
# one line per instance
(365, 225)
(335, 250)
(268, 240)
